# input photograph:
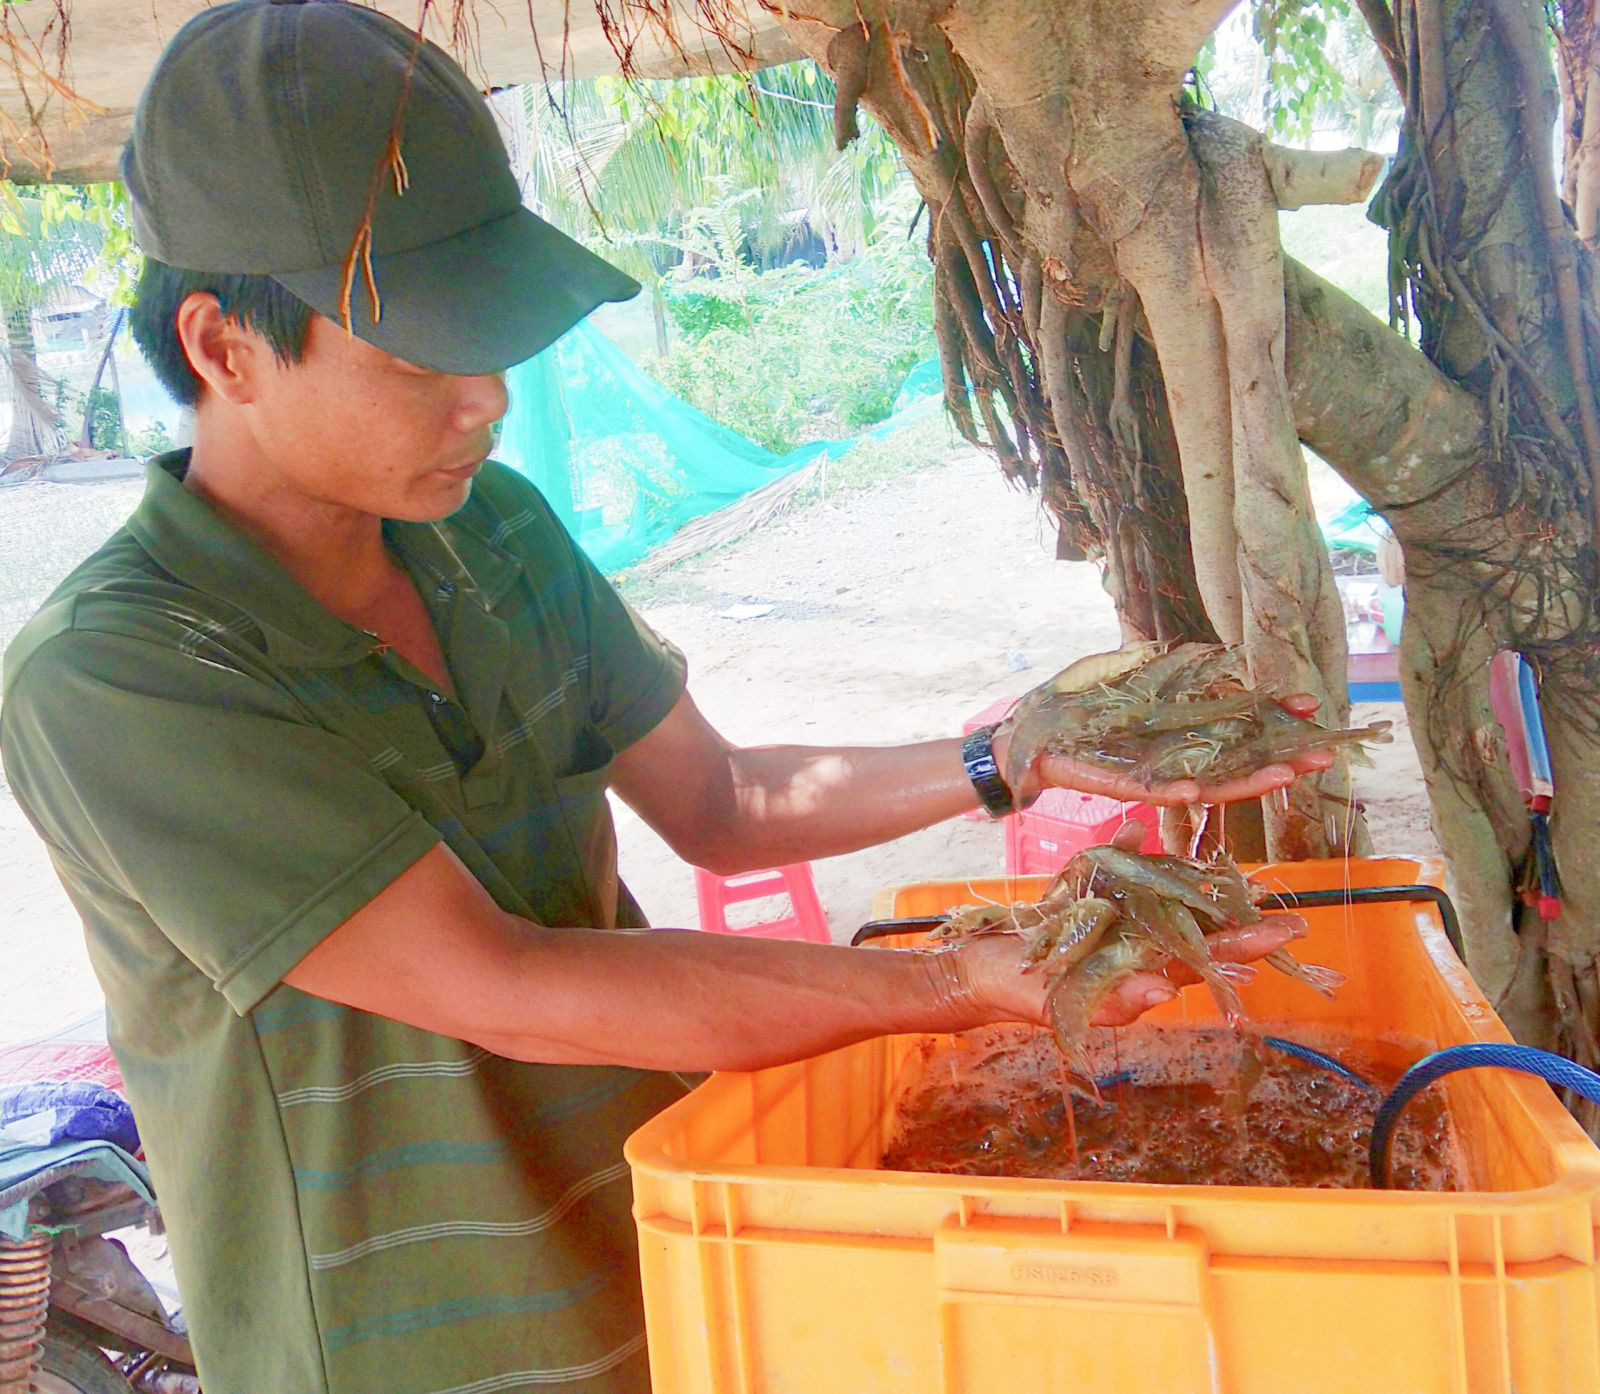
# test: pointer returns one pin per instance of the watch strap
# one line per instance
(977, 755)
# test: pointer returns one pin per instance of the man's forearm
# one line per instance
(672, 1000)
(434, 950)
(730, 808)
(796, 803)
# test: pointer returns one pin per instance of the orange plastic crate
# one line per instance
(777, 1259)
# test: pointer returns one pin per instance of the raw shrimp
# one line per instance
(1110, 913)
(1282, 735)
(1173, 926)
(972, 920)
(1161, 713)
(1318, 978)
(1174, 878)
(1065, 700)
(1070, 937)
(1156, 715)
(1075, 998)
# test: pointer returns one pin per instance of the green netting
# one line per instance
(625, 463)
(1354, 527)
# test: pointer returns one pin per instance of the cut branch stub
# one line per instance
(847, 61)
(1302, 177)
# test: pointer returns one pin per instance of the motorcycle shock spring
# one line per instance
(24, 1301)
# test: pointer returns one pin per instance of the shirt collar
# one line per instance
(453, 550)
(191, 541)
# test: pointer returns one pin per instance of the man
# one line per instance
(320, 744)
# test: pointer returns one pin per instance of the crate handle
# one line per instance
(1012, 1256)
(1283, 900)
(1103, 1289)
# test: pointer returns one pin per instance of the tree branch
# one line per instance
(1301, 177)
(1517, 34)
(1380, 24)
(1404, 436)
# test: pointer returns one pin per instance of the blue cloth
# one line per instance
(76, 1110)
(27, 1170)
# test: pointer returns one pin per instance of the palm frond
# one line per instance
(629, 166)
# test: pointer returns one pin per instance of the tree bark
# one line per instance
(35, 430)
(1578, 81)
(1294, 616)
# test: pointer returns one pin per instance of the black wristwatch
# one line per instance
(977, 754)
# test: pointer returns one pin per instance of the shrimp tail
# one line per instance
(1316, 976)
(1071, 1028)
(1225, 995)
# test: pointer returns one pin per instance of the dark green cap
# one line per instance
(261, 137)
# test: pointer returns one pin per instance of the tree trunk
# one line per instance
(85, 436)
(658, 317)
(1158, 247)
(116, 398)
(1496, 272)
(1117, 324)
(35, 430)
(1578, 76)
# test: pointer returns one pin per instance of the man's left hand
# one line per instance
(1056, 771)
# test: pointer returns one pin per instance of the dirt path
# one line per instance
(896, 612)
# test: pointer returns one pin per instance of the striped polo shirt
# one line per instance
(224, 772)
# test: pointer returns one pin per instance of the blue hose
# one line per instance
(1294, 1048)
(1316, 1057)
(1556, 1069)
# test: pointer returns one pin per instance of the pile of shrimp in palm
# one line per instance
(1112, 913)
(1162, 712)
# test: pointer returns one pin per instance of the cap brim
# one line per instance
(477, 302)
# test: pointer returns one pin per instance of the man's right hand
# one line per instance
(992, 966)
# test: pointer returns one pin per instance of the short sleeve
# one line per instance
(246, 832)
(635, 676)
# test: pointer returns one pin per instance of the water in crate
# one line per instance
(1179, 1106)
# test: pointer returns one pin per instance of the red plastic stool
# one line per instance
(805, 919)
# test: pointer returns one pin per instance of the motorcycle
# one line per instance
(78, 1315)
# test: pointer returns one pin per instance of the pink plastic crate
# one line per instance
(1063, 822)
(992, 714)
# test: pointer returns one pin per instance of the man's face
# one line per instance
(351, 426)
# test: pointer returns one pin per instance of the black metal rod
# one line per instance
(1282, 900)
